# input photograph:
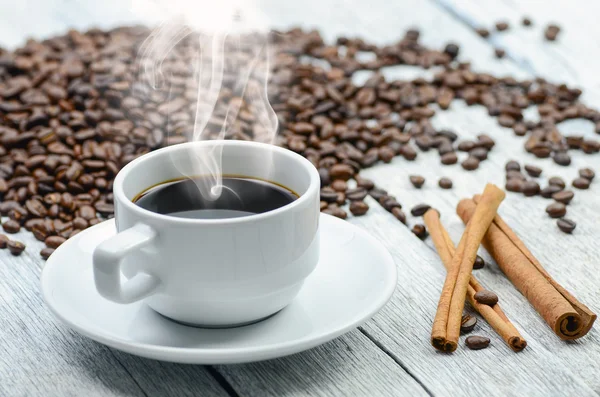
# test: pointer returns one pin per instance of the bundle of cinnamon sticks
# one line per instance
(568, 317)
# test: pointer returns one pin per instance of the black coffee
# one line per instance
(239, 197)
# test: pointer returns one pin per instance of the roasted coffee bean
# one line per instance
(564, 196)
(365, 183)
(557, 181)
(581, 183)
(339, 185)
(417, 181)
(467, 324)
(501, 26)
(420, 231)
(399, 214)
(587, 173)
(389, 203)
(336, 211)
(470, 164)
(512, 166)
(551, 32)
(556, 210)
(11, 226)
(452, 50)
(486, 297)
(54, 241)
(533, 171)
(46, 252)
(358, 208)
(479, 263)
(549, 191)
(16, 248)
(514, 185)
(476, 342)
(419, 209)
(482, 32)
(3, 241)
(449, 158)
(566, 225)
(530, 188)
(341, 171)
(562, 158)
(377, 193)
(500, 53)
(526, 21)
(445, 183)
(358, 193)
(479, 153)
(88, 212)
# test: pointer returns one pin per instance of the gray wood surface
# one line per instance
(390, 355)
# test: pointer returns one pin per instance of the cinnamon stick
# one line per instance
(446, 325)
(494, 314)
(568, 318)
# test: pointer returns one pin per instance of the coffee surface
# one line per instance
(239, 197)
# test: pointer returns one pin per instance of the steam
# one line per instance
(230, 60)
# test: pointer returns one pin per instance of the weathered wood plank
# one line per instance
(347, 366)
(39, 357)
(404, 326)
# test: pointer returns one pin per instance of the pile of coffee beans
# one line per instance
(556, 189)
(76, 108)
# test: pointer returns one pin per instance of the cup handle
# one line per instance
(107, 266)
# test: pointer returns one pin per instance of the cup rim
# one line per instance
(313, 187)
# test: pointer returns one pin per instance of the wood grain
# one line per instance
(390, 353)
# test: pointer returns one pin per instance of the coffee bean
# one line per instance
(341, 171)
(3, 241)
(419, 209)
(479, 263)
(417, 181)
(501, 26)
(514, 185)
(470, 164)
(377, 193)
(566, 225)
(54, 241)
(551, 32)
(581, 183)
(336, 211)
(564, 196)
(562, 158)
(358, 193)
(486, 297)
(358, 208)
(556, 210)
(512, 165)
(399, 214)
(445, 183)
(482, 32)
(420, 231)
(531, 188)
(533, 171)
(557, 181)
(11, 226)
(452, 50)
(549, 191)
(526, 21)
(500, 53)
(587, 173)
(449, 158)
(476, 342)
(46, 252)
(389, 203)
(479, 153)
(365, 183)
(467, 324)
(339, 185)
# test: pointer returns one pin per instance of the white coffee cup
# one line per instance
(212, 272)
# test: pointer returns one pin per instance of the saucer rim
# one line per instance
(225, 355)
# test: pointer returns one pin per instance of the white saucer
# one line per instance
(355, 277)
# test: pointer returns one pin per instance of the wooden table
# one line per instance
(390, 354)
